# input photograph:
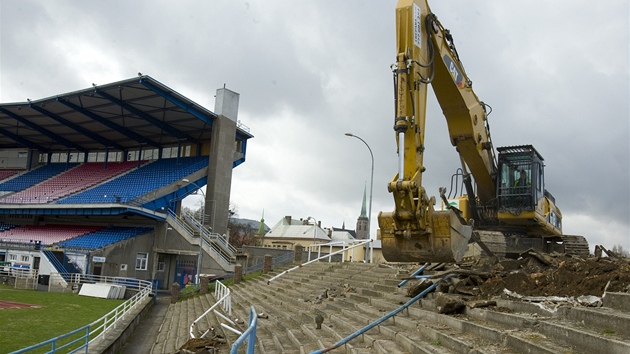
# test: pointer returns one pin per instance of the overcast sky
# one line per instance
(554, 72)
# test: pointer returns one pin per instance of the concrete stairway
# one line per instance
(292, 303)
(174, 331)
(359, 294)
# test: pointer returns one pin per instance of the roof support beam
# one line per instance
(145, 116)
(178, 102)
(130, 134)
(78, 128)
(51, 135)
(22, 141)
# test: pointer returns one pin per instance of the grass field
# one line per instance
(61, 313)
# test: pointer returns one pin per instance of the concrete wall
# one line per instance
(125, 253)
(171, 247)
(17, 158)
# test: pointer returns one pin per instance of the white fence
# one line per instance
(345, 248)
(222, 293)
(19, 278)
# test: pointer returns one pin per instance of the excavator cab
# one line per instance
(521, 179)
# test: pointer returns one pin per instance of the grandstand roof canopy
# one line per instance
(122, 116)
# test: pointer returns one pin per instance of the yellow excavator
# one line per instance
(506, 209)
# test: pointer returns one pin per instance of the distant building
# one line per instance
(289, 232)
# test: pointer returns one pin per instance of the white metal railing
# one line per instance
(343, 244)
(222, 293)
(21, 277)
(111, 320)
(367, 243)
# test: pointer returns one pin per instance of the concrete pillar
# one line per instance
(242, 259)
(238, 273)
(267, 263)
(175, 292)
(221, 159)
(297, 258)
(203, 284)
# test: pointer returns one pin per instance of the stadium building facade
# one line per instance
(92, 181)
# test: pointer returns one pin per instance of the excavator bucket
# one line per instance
(446, 242)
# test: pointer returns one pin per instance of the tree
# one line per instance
(618, 249)
(241, 234)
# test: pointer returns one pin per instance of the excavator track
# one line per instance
(511, 246)
(575, 245)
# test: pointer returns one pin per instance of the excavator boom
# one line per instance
(415, 231)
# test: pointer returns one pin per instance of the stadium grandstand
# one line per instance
(91, 182)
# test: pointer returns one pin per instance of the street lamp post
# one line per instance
(314, 227)
(314, 234)
(371, 188)
(203, 216)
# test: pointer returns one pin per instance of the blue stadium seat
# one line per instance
(35, 176)
(104, 237)
(140, 181)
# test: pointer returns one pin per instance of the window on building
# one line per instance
(141, 261)
(25, 258)
(13, 257)
(161, 267)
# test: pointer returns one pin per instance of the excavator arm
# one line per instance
(511, 218)
(426, 55)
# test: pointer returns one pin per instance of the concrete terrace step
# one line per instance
(266, 339)
(285, 295)
(175, 329)
(285, 316)
(589, 329)
(292, 301)
(330, 280)
(376, 303)
(409, 332)
(531, 329)
(303, 318)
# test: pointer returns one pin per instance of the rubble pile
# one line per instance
(532, 275)
(212, 345)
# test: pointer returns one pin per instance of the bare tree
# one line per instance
(241, 234)
(618, 249)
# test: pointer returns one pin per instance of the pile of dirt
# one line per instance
(536, 274)
(563, 276)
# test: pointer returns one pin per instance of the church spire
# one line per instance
(362, 221)
(363, 211)
(261, 228)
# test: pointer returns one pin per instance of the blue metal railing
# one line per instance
(101, 326)
(213, 236)
(417, 272)
(55, 262)
(384, 318)
(54, 342)
(211, 245)
(249, 334)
